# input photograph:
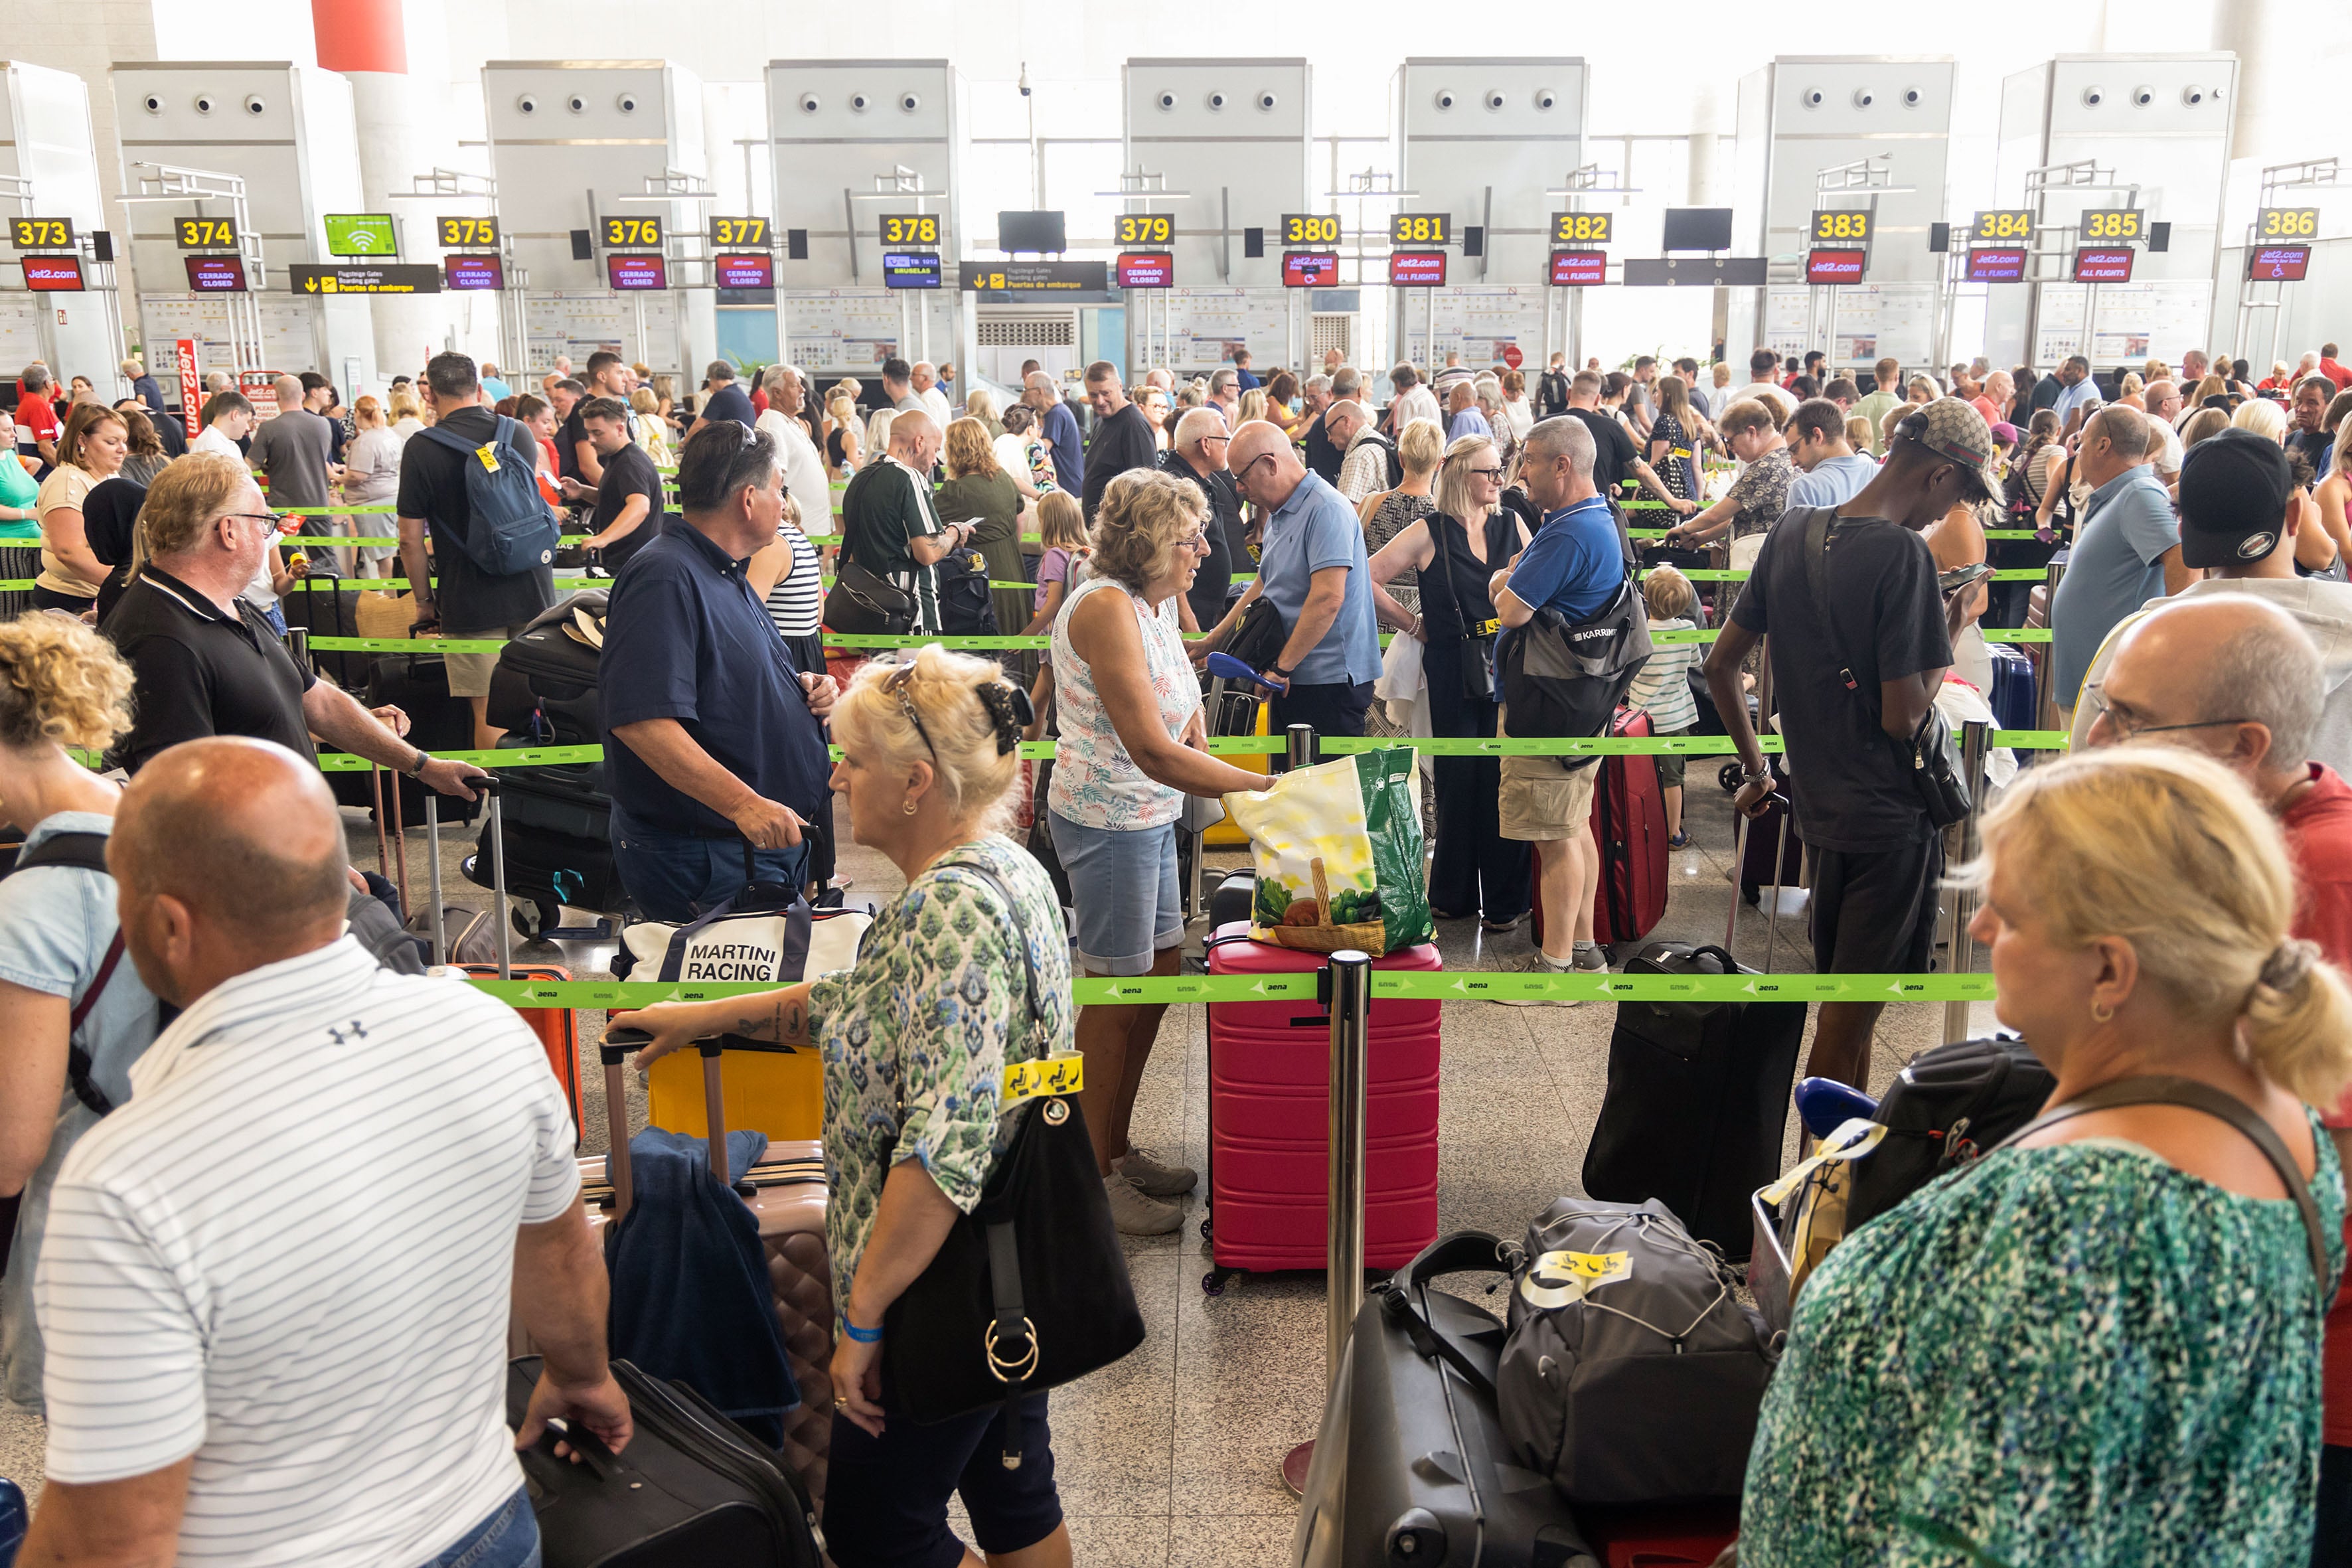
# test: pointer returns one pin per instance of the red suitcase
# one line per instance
(1269, 1094)
(1629, 828)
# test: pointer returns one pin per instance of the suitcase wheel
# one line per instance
(538, 916)
(1212, 1283)
(1208, 1226)
(1729, 777)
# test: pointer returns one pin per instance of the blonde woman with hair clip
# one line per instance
(68, 983)
(653, 430)
(965, 973)
(2129, 1376)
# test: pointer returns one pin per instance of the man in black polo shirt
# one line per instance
(608, 378)
(628, 497)
(465, 600)
(202, 660)
(713, 739)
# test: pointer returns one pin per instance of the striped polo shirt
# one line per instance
(292, 1255)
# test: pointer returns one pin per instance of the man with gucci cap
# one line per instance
(1855, 664)
(2235, 528)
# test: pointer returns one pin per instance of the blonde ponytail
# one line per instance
(2298, 1016)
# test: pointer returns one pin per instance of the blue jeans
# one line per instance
(507, 1539)
(674, 876)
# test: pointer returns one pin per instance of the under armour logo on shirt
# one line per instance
(345, 1036)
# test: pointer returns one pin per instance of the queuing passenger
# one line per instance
(890, 523)
(1410, 400)
(923, 382)
(980, 405)
(143, 456)
(297, 452)
(787, 575)
(1311, 565)
(1884, 395)
(1829, 470)
(66, 989)
(2164, 403)
(1461, 416)
(1853, 692)
(494, 385)
(1243, 377)
(2126, 550)
(653, 432)
(898, 387)
(1226, 396)
(1281, 392)
(2311, 436)
(723, 399)
(1574, 566)
(1387, 513)
(1764, 383)
(1663, 689)
(1122, 438)
(626, 501)
(89, 448)
(372, 475)
(20, 512)
(1197, 455)
(2078, 394)
(712, 731)
(1758, 498)
(1676, 434)
(1517, 414)
(979, 492)
(1132, 745)
(1453, 616)
(37, 430)
(464, 600)
(159, 1298)
(844, 438)
(915, 1047)
(1059, 428)
(1616, 460)
(1364, 452)
(576, 456)
(144, 386)
(2137, 909)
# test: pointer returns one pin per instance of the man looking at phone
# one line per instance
(1857, 661)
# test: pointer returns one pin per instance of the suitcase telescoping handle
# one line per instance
(614, 1054)
(488, 785)
(1741, 826)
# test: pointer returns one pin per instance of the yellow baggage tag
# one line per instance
(1558, 1278)
(1046, 1078)
(1680, 452)
(489, 453)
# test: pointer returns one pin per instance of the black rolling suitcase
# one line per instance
(325, 606)
(1412, 1465)
(691, 1487)
(1697, 1103)
(418, 685)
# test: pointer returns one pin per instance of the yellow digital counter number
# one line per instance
(1310, 229)
(2015, 223)
(2114, 224)
(633, 233)
(41, 232)
(739, 233)
(2270, 223)
(1852, 227)
(1579, 228)
(1144, 228)
(205, 234)
(1420, 228)
(469, 233)
(910, 228)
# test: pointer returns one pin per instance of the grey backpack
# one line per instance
(1632, 1374)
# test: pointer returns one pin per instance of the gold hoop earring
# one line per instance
(2102, 1015)
(910, 808)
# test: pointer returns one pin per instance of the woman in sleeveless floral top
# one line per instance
(1133, 747)
(2097, 1346)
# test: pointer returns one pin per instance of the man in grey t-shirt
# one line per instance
(294, 452)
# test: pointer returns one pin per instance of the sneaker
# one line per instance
(1679, 841)
(1591, 958)
(1136, 1215)
(1153, 1177)
(1535, 963)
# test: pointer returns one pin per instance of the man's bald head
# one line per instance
(1264, 464)
(290, 391)
(915, 439)
(1343, 419)
(234, 845)
(2214, 658)
(1198, 423)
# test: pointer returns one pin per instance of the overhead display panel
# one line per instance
(1580, 268)
(1417, 268)
(2266, 264)
(361, 235)
(1834, 266)
(473, 272)
(2104, 264)
(53, 274)
(910, 268)
(1309, 269)
(756, 269)
(216, 273)
(1146, 269)
(1035, 277)
(624, 269)
(1996, 264)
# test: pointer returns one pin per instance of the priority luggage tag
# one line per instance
(1486, 628)
(1046, 1078)
(489, 453)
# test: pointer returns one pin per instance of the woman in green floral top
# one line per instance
(2100, 1348)
(915, 1042)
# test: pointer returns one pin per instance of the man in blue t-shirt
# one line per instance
(1573, 565)
(1313, 568)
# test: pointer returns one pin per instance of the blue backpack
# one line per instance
(509, 528)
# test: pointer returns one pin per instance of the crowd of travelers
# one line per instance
(251, 1344)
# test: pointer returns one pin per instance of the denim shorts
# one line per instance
(1123, 883)
(507, 1539)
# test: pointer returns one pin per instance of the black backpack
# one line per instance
(966, 609)
(1389, 451)
(1949, 1104)
(1563, 680)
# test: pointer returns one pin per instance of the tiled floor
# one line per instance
(1172, 1457)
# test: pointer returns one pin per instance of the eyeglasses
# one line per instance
(1485, 473)
(896, 684)
(1243, 472)
(1197, 542)
(2125, 730)
(276, 522)
(1219, 439)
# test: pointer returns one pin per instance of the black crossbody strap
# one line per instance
(2229, 1108)
(1817, 524)
(82, 852)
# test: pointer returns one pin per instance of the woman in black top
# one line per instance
(1477, 871)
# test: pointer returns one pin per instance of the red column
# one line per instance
(360, 36)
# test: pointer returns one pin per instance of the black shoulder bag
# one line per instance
(1030, 1290)
(861, 602)
(1931, 758)
(1563, 680)
(1477, 638)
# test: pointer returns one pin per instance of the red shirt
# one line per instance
(38, 417)
(2337, 373)
(2319, 841)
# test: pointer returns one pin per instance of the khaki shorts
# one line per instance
(470, 673)
(1541, 800)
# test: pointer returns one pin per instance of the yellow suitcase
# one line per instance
(778, 1092)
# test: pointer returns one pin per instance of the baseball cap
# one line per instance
(2233, 492)
(1951, 429)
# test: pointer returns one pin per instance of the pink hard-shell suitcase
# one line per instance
(1269, 1086)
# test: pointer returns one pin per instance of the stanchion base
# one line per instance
(1294, 1467)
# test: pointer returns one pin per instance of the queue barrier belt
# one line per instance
(1444, 985)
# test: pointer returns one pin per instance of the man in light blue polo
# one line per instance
(1313, 568)
(2078, 398)
(2127, 554)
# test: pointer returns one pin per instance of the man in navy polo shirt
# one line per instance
(714, 740)
(1573, 565)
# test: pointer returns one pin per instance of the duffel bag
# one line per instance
(1632, 1374)
(1950, 1103)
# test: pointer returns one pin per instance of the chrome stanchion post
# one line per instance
(433, 853)
(1959, 907)
(1301, 739)
(298, 643)
(1349, 980)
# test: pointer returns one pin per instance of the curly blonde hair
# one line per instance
(1144, 517)
(2170, 852)
(975, 776)
(61, 684)
(967, 449)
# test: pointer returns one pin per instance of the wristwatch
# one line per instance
(416, 768)
(1277, 669)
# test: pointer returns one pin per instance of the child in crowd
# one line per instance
(1663, 689)
(1062, 526)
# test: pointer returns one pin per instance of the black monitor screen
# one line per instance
(1698, 228)
(1030, 231)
